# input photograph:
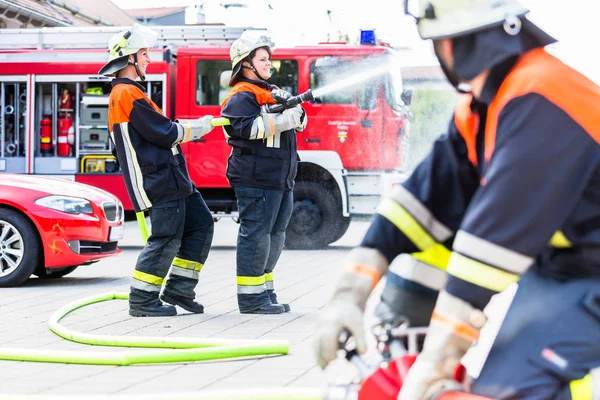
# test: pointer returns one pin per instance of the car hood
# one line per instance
(54, 186)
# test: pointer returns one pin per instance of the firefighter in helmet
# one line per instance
(261, 169)
(513, 190)
(147, 145)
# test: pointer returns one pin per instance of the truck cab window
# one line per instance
(212, 79)
(212, 82)
(285, 75)
(326, 71)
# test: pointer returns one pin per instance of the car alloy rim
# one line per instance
(11, 248)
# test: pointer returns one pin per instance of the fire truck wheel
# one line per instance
(342, 227)
(315, 219)
(43, 273)
(20, 248)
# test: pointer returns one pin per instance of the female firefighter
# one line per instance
(157, 179)
(261, 169)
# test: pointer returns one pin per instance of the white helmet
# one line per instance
(438, 19)
(121, 45)
(244, 45)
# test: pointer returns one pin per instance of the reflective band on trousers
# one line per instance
(186, 268)
(251, 284)
(148, 278)
(146, 282)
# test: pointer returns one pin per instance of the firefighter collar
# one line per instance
(127, 81)
(261, 84)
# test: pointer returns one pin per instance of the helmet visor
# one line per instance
(142, 37)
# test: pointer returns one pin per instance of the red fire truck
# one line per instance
(53, 117)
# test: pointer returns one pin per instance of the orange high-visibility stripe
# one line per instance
(539, 72)
(363, 270)
(459, 328)
(467, 123)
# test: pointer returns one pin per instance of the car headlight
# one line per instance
(71, 205)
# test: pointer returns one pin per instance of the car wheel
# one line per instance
(315, 219)
(20, 249)
(55, 273)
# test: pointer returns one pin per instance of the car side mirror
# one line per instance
(406, 96)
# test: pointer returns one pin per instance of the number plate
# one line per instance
(116, 233)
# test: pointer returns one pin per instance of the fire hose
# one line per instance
(185, 349)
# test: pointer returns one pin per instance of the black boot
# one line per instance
(268, 309)
(183, 302)
(273, 298)
(147, 304)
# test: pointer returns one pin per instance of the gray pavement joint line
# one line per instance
(184, 349)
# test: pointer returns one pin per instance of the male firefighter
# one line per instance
(261, 169)
(157, 179)
(513, 189)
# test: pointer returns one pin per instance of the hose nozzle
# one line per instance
(291, 102)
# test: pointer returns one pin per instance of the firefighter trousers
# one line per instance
(264, 217)
(182, 232)
(548, 346)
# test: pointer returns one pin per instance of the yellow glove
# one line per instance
(362, 270)
(454, 326)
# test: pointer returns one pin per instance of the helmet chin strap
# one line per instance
(452, 76)
(253, 69)
(137, 67)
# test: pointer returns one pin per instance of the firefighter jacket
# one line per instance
(515, 183)
(147, 145)
(261, 157)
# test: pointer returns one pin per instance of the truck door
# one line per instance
(207, 157)
(348, 120)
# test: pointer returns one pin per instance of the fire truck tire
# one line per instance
(342, 227)
(43, 273)
(20, 248)
(315, 220)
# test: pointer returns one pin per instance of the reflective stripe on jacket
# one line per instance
(147, 144)
(264, 162)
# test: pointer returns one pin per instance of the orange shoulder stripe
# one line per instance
(120, 103)
(263, 96)
(539, 72)
(467, 123)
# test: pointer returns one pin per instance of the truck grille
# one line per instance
(112, 211)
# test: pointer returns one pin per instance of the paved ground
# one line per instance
(303, 278)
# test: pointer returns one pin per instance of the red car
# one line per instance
(48, 227)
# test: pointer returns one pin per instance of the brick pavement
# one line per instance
(303, 278)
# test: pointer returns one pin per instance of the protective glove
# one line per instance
(280, 96)
(193, 129)
(281, 122)
(296, 114)
(454, 326)
(362, 270)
